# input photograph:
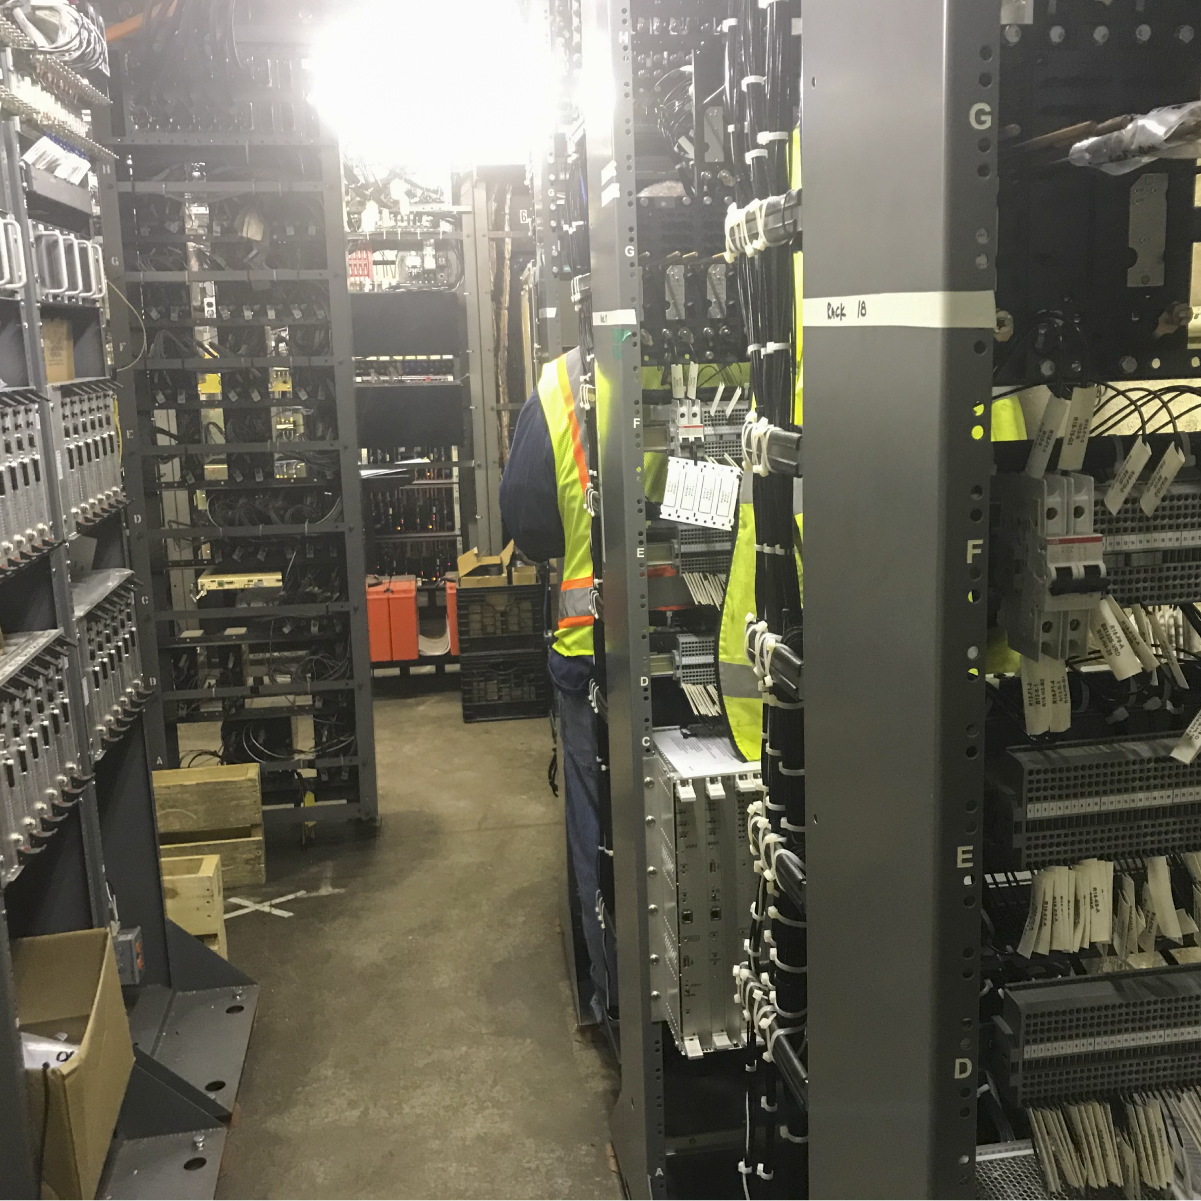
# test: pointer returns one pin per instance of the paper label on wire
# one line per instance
(701, 493)
(1035, 703)
(1169, 651)
(1128, 473)
(1054, 416)
(677, 381)
(694, 372)
(1133, 634)
(1165, 472)
(1112, 643)
(1076, 431)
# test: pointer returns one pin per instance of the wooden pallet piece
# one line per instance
(195, 896)
(214, 811)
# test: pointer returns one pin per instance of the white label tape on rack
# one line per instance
(904, 310)
(616, 317)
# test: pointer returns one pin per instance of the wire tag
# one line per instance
(1161, 479)
(1161, 637)
(1128, 473)
(1133, 634)
(1078, 428)
(1054, 416)
(1035, 704)
(1113, 644)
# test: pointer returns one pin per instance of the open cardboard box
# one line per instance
(68, 984)
(492, 571)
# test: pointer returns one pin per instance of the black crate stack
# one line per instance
(502, 652)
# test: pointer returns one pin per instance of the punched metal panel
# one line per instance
(1107, 799)
(702, 887)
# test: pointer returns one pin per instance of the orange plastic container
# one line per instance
(379, 625)
(452, 614)
(402, 613)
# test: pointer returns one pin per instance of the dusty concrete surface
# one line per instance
(414, 1036)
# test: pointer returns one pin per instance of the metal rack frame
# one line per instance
(349, 532)
(894, 834)
(107, 841)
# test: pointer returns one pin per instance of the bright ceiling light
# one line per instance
(443, 87)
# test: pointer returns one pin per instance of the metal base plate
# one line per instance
(168, 1165)
(205, 1036)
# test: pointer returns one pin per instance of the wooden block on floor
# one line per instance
(194, 894)
(196, 800)
(241, 853)
(216, 942)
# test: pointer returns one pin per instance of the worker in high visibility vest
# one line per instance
(542, 500)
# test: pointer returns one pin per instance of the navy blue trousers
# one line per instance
(581, 786)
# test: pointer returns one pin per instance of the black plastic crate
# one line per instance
(505, 686)
(503, 618)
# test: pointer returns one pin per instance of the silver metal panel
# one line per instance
(168, 1165)
(483, 528)
(896, 491)
(204, 1038)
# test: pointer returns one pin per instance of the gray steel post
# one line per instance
(637, 1124)
(342, 348)
(898, 338)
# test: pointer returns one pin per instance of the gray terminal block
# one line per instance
(1105, 800)
(1090, 1036)
(700, 885)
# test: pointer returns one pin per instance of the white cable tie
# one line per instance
(774, 135)
(772, 347)
(789, 1137)
(729, 23)
(754, 154)
(759, 79)
(744, 1168)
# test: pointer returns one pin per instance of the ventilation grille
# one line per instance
(1010, 1171)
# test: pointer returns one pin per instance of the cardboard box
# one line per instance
(493, 571)
(58, 347)
(68, 984)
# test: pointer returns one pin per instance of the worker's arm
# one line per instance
(529, 497)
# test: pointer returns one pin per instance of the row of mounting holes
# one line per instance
(974, 731)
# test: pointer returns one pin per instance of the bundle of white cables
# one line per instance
(61, 28)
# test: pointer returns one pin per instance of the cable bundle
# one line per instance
(73, 32)
(761, 98)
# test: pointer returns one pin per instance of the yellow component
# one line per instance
(217, 581)
(999, 659)
(280, 382)
(1008, 420)
(654, 476)
(209, 385)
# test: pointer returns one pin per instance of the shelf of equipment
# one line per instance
(240, 427)
(77, 820)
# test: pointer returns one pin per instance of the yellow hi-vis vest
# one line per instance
(560, 393)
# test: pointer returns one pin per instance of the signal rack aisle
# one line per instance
(79, 845)
(242, 440)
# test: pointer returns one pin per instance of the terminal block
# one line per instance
(1089, 1036)
(1106, 800)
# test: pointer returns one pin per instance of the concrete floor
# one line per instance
(415, 1036)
